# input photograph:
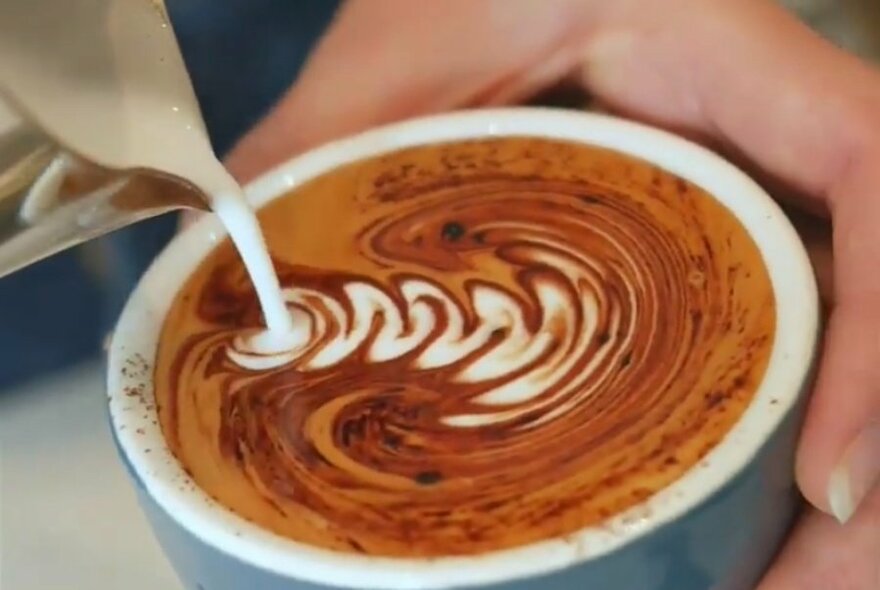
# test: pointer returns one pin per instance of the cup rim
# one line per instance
(134, 419)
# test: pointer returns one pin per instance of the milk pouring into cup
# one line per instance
(100, 128)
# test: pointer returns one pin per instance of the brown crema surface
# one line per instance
(508, 340)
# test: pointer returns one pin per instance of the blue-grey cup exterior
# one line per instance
(717, 529)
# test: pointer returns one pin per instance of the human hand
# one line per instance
(743, 77)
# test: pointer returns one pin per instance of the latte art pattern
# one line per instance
(538, 352)
(504, 342)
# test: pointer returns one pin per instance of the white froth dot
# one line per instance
(267, 349)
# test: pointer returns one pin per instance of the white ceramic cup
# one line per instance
(716, 527)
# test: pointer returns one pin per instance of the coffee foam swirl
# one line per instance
(499, 358)
(536, 351)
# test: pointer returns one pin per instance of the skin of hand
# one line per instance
(741, 76)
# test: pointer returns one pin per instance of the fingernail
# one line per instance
(856, 474)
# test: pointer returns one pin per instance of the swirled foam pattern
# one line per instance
(498, 342)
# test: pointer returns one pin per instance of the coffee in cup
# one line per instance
(499, 341)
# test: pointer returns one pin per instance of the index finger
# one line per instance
(743, 73)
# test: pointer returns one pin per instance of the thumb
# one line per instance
(385, 60)
(839, 457)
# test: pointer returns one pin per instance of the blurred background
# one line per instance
(242, 54)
